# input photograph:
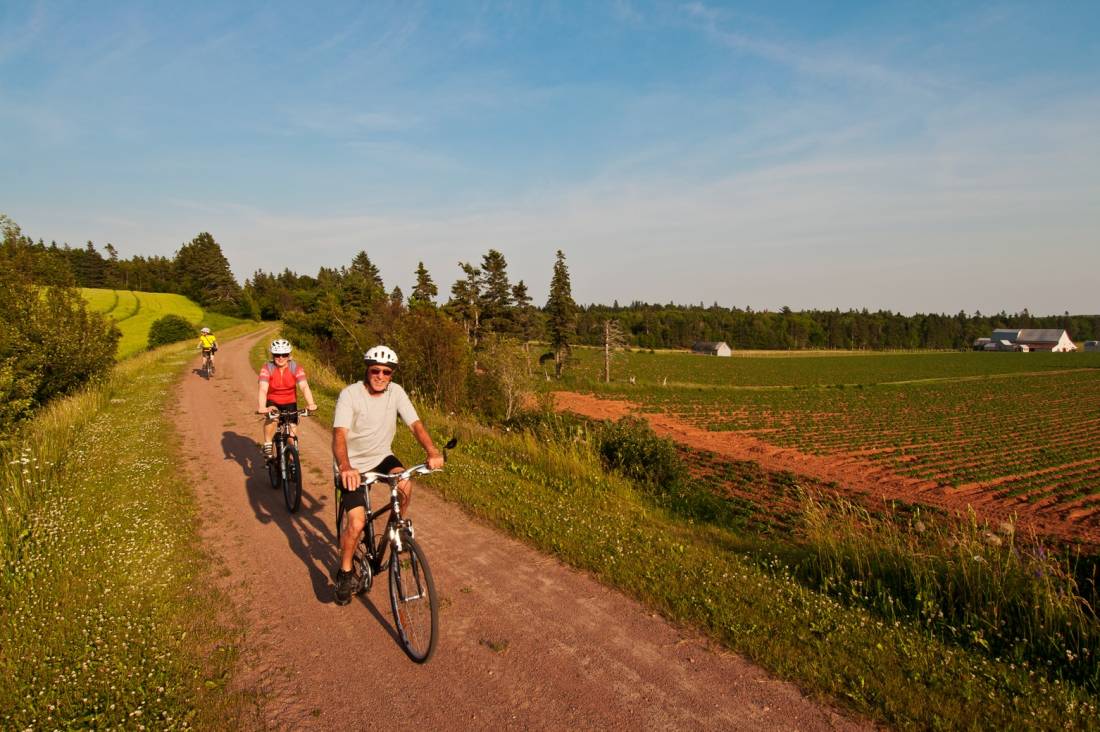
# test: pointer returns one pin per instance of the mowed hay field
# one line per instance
(135, 312)
(1017, 433)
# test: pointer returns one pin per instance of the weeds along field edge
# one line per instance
(105, 598)
(559, 498)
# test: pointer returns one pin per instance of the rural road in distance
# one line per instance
(526, 642)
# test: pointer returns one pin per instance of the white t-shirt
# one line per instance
(371, 421)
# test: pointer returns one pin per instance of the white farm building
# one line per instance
(1035, 339)
(712, 348)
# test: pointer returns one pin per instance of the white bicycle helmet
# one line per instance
(380, 355)
(205, 330)
(280, 347)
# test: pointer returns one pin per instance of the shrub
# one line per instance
(169, 329)
(631, 447)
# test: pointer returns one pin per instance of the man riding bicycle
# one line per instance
(280, 378)
(363, 429)
(208, 344)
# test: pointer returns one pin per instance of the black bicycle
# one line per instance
(207, 363)
(284, 468)
(413, 598)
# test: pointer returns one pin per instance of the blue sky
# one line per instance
(925, 156)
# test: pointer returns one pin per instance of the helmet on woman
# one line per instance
(380, 355)
(280, 347)
(204, 331)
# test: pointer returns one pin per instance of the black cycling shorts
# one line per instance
(357, 498)
(289, 409)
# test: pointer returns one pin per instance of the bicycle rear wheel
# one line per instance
(413, 601)
(360, 564)
(292, 486)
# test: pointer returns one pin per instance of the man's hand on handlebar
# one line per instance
(349, 477)
(435, 461)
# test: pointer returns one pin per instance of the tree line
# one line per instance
(679, 326)
(199, 270)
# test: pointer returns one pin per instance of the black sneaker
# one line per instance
(344, 585)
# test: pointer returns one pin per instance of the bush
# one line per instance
(170, 329)
(631, 447)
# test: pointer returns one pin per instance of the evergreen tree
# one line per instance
(425, 291)
(561, 313)
(524, 319)
(362, 287)
(465, 302)
(204, 274)
(495, 294)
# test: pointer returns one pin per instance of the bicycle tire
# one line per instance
(360, 566)
(413, 601)
(292, 485)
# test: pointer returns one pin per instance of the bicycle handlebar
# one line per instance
(422, 469)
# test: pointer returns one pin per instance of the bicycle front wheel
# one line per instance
(292, 485)
(413, 600)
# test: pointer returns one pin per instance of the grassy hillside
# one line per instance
(135, 312)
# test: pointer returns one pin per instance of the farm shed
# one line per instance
(712, 348)
(1036, 339)
(1092, 345)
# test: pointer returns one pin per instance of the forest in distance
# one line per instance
(269, 295)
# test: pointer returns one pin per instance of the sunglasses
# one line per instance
(281, 355)
(379, 372)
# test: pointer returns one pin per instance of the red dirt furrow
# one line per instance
(856, 477)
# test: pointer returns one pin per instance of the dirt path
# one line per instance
(853, 474)
(527, 643)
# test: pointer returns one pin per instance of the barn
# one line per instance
(1036, 339)
(712, 348)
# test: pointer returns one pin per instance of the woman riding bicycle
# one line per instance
(280, 379)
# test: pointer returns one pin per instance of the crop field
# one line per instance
(1016, 431)
(135, 312)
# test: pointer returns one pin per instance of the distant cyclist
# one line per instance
(280, 379)
(363, 428)
(208, 344)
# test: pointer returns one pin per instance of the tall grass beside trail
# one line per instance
(105, 598)
(557, 496)
(969, 583)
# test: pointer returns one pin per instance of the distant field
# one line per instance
(1019, 429)
(756, 368)
(135, 312)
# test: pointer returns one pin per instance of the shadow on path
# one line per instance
(307, 533)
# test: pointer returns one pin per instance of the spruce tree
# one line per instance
(425, 291)
(495, 294)
(561, 313)
(203, 274)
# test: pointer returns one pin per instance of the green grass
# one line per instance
(686, 370)
(135, 312)
(106, 598)
(558, 498)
